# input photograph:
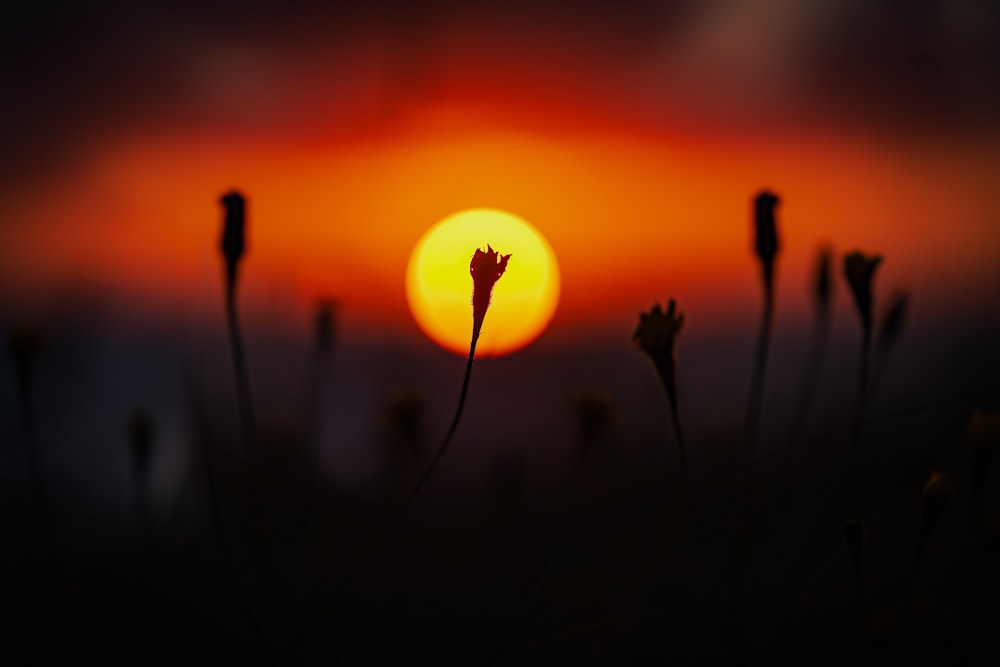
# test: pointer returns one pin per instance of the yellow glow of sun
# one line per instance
(439, 286)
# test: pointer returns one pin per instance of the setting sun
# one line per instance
(439, 287)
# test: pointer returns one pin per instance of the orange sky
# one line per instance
(633, 135)
(634, 216)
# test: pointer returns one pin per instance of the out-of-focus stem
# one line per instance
(810, 383)
(34, 469)
(240, 368)
(668, 375)
(759, 368)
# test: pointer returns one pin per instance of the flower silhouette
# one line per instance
(655, 335)
(233, 242)
(486, 269)
(767, 243)
(859, 270)
(657, 332)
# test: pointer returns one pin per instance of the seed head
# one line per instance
(233, 243)
(766, 244)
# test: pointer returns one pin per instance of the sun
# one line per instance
(439, 287)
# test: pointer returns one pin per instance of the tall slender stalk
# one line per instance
(233, 247)
(244, 399)
(451, 430)
(656, 334)
(24, 346)
(859, 270)
(485, 269)
(755, 401)
(822, 292)
(34, 469)
(668, 376)
(766, 247)
(213, 498)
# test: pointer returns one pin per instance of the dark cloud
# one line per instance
(75, 72)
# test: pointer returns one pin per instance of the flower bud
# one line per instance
(859, 270)
(767, 243)
(486, 269)
(233, 243)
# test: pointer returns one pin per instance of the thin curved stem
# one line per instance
(447, 438)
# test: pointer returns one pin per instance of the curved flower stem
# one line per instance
(451, 431)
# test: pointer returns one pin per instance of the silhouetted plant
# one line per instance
(206, 452)
(822, 299)
(486, 268)
(325, 326)
(766, 245)
(233, 247)
(859, 270)
(141, 432)
(890, 330)
(656, 335)
(24, 346)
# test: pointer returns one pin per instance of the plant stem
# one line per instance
(451, 431)
(668, 376)
(759, 367)
(240, 367)
(810, 381)
(34, 469)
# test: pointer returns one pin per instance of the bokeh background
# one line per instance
(633, 135)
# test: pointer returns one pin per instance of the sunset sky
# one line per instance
(633, 135)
